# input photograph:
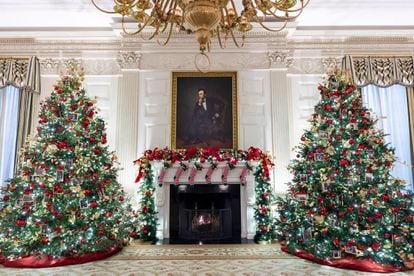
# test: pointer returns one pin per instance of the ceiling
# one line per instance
(78, 18)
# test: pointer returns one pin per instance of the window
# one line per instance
(390, 105)
(9, 115)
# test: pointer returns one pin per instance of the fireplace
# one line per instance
(205, 213)
(177, 194)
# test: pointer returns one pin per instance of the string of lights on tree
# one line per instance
(264, 216)
(343, 207)
(65, 200)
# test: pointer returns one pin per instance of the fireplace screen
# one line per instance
(205, 224)
(205, 213)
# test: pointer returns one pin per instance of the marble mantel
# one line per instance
(247, 193)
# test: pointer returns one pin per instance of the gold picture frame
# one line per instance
(209, 121)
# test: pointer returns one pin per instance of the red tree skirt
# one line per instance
(48, 261)
(349, 262)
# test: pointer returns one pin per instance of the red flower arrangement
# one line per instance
(211, 155)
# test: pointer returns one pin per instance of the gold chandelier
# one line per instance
(205, 18)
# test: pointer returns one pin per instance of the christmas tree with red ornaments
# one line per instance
(65, 205)
(343, 207)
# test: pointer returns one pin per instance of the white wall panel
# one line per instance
(154, 110)
(156, 136)
(254, 102)
(305, 96)
(104, 89)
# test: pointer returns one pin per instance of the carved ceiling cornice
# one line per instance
(255, 42)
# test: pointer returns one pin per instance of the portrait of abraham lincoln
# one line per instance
(204, 111)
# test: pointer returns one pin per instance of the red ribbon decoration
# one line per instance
(208, 174)
(173, 156)
(243, 176)
(349, 262)
(191, 177)
(161, 176)
(177, 175)
(49, 261)
(225, 174)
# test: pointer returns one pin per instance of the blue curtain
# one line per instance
(391, 107)
(9, 117)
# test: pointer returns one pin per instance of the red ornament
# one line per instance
(88, 192)
(108, 214)
(351, 141)
(343, 162)
(85, 123)
(328, 107)
(329, 122)
(301, 239)
(121, 198)
(101, 232)
(93, 204)
(5, 197)
(336, 242)
(133, 234)
(21, 222)
(45, 240)
(350, 243)
(385, 197)
(375, 246)
(62, 145)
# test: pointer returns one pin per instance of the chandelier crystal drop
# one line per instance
(205, 18)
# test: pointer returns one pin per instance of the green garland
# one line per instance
(264, 215)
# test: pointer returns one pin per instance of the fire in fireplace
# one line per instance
(205, 213)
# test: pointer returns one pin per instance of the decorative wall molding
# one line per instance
(307, 66)
(129, 60)
(219, 61)
(101, 67)
(256, 41)
(279, 59)
(49, 66)
(56, 66)
(330, 63)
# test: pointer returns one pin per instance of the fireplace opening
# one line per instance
(205, 214)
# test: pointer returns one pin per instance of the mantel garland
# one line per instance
(263, 190)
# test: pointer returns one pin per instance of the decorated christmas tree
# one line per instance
(65, 205)
(343, 207)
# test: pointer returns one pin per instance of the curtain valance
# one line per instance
(20, 72)
(381, 71)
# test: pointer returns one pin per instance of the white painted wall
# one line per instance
(253, 106)
(154, 110)
(258, 125)
(105, 89)
(305, 96)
